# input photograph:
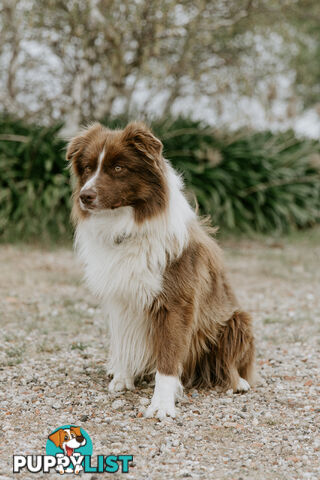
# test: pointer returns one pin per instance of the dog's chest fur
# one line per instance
(121, 266)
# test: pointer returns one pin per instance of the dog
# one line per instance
(156, 269)
(68, 439)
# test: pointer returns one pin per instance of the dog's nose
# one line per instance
(80, 438)
(87, 197)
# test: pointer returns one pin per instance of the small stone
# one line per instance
(116, 445)
(229, 424)
(118, 404)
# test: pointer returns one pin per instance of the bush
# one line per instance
(34, 181)
(246, 181)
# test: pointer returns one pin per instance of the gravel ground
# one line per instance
(52, 372)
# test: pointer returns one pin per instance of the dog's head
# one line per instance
(118, 168)
(68, 439)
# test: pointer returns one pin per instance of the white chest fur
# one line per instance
(121, 265)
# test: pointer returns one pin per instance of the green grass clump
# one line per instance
(246, 181)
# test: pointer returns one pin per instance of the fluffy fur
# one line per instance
(157, 271)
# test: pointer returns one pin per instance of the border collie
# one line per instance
(156, 269)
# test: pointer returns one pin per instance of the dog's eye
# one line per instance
(73, 435)
(117, 168)
(66, 437)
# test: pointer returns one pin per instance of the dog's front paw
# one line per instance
(119, 384)
(166, 390)
(161, 409)
(243, 386)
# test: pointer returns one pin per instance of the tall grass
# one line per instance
(246, 181)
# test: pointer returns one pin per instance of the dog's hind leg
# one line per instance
(237, 383)
(235, 353)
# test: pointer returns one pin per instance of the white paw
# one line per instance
(161, 410)
(243, 385)
(165, 393)
(119, 384)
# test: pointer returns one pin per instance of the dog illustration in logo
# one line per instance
(68, 439)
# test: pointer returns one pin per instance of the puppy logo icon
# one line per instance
(69, 444)
(69, 450)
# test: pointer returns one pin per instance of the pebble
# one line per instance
(117, 404)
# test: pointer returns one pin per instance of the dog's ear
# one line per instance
(74, 149)
(77, 144)
(140, 137)
(76, 430)
(57, 437)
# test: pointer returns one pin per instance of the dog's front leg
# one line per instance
(171, 343)
(120, 349)
(122, 378)
(121, 382)
(166, 391)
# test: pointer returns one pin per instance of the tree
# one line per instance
(83, 60)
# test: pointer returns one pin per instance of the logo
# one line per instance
(69, 450)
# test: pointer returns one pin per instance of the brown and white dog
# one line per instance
(68, 439)
(158, 273)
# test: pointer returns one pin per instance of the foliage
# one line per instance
(34, 182)
(304, 34)
(246, 181)
(80, 60)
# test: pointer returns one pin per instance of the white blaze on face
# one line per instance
(92, 181)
